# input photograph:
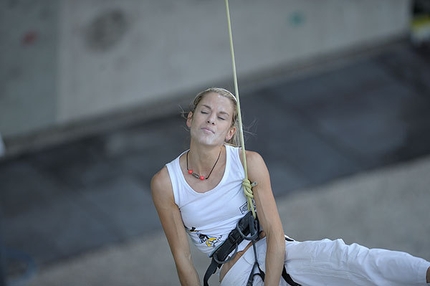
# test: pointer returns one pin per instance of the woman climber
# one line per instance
(200, 194)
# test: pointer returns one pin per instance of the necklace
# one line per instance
(200, 177)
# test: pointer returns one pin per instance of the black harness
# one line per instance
(247, 225)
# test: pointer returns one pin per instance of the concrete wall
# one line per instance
(65, 61)
(29, 66)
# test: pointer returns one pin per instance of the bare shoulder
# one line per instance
(253, 157)
(257, 169)
(160, 178)
(161, 186)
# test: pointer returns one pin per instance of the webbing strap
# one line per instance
(256, 265)
(215, 264)
(261, 273)
(210, 271)
(285, 275)
(288, 278)
(247, 225)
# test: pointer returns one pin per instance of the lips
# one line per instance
(208, 130)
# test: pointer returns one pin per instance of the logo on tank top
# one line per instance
(244, 208)
(210, 241)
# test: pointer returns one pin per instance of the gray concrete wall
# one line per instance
(67, 61)
(28, 65)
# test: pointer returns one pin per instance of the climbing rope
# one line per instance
(247, 185)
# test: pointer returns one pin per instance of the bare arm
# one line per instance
(171, 221)
(268, 216)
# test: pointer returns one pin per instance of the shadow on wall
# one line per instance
(16, 267)
(2, 148)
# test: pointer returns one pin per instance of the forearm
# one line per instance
(275, 256)
(187, 274)
(189, 279)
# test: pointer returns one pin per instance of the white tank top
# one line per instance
(209, 217)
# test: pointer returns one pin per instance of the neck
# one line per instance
(201, 159)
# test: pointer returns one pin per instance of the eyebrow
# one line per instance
(221, 112)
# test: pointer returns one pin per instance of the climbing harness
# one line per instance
(247, 227)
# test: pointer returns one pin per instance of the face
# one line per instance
(211, 121)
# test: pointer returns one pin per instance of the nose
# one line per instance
(211, 119)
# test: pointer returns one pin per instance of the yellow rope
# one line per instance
(247, 185)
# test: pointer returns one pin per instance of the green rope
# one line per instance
(247, 185)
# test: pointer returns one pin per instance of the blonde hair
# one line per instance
(223, 92)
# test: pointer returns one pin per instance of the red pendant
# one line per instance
(202, 178)
(190, 172)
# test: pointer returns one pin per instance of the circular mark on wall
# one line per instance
(106, 30)
(297, 18)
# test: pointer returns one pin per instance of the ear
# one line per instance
(189, 119)
(230, 133)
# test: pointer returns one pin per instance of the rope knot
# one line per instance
(247, 189)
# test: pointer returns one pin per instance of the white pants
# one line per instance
(332, 262)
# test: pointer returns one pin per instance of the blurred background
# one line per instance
(334, 93)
